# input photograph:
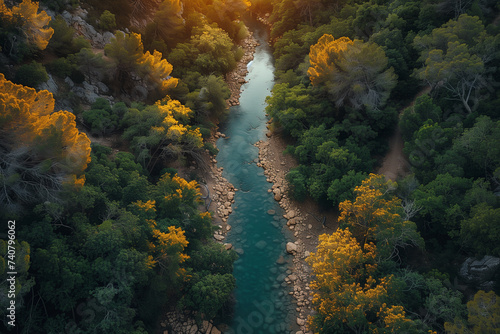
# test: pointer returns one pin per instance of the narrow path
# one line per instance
(395, 164)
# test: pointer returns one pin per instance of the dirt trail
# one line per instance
(395, 164)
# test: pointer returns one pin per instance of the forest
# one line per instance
(107, 239)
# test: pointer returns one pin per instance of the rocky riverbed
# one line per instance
(304, 219)
(219, 199)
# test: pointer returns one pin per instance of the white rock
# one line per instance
(291, 247)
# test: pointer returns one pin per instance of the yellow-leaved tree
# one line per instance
(377, 216)
(166, 244)
(354, 72)
(348, 295)
(41, 150)
(162, 131)
(34, 25)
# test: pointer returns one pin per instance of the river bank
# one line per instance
(218, 195)
(304, 219)
(221, 190)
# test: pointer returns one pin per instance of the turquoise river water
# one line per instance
(263, 304)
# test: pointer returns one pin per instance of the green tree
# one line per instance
(107, 20)
(31, 74)
(483, 313)
(63, 41)
(212, 258)
(482, 229)
(442, 202)
(342, 189)
(167, 24)
(456, 58)
(210, 294)
(414, 117)
(481, 146)
(127, 52)
(91, 63)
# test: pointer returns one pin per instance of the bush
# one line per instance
(101, 117)
(212, 150)
(61, 67)
(107, 20)
(32, 74)
(298, 184)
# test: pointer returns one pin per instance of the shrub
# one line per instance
(31, 74)
(107, 20)
(61, 67)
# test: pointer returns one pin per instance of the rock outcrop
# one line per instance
(480, 272)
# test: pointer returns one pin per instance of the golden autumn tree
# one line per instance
(168, 249)
(347, 294)
(41, 150)
(355, 73)
(34, 25)
(166, 244)
(162, 131)
(377, 216)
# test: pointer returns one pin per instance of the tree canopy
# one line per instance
(355, 73)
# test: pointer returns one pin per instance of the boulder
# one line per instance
(291, 247)
(218, 237)
(301, 322)
(49, 85)
(194, 329)
(478, 272)
(206, 326)
(290, 214)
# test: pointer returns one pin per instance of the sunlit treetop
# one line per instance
(355, 73)
(40, 149)
(34, 24)
(29, 117)
(325, 55)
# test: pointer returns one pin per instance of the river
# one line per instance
(263, 304)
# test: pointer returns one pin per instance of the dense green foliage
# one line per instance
(108, 248)
(110, 254)
(99, 252)
(344, 70)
